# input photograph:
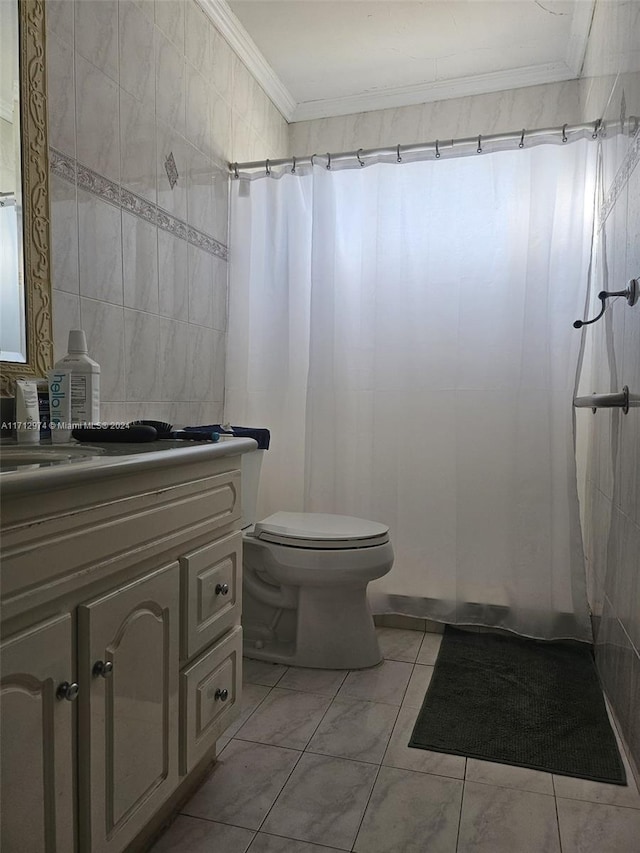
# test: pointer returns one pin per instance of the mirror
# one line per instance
(13, 339)
(26, 346)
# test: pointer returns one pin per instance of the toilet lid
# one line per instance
(320, 530)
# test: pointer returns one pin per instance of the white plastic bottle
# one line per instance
(85, 380)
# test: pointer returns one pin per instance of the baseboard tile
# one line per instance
(408, 623)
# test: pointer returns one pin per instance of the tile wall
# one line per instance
(140, 266)
(549, 105)
(611, 440)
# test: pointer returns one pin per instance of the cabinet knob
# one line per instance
(222, 695)
(103, 668)
(68, 691)
(222, 588)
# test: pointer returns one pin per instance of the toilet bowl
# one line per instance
(305, 576)
(305, 579)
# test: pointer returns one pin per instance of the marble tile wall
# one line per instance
(548, 105)
(611, 440)
(140, 266)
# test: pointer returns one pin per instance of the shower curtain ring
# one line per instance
(312, 156)
(596, 128)
(235, 171)
(398, 157)
(267, 168)
(328, 160)
(521, 143)
(437, 151)
(293, 166)
(360, 160)
(479, 149)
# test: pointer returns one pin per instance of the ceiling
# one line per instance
(318, 58)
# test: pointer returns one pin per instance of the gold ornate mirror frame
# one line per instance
(35, 194)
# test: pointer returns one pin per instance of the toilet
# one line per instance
(305, 579)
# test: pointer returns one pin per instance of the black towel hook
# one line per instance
(630, 293)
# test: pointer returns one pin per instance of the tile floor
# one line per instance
(319, 762)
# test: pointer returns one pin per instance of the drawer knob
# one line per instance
(222, 588)
(103, 668)
(222, 695)
(67, 691)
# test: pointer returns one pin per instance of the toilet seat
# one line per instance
(320, 530)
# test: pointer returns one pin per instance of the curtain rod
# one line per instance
(438, 148)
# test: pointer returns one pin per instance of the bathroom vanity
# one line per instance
(121, 648)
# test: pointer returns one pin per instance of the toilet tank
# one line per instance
(250, 465)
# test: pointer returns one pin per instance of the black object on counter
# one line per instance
(133, 434)
(261, 435)
(165, 430)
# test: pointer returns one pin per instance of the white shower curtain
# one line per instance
(405, 331)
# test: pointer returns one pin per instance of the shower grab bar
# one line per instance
(619, 400)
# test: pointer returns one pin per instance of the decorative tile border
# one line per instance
(70, 170)
(622, 177)
(63, 167)
(140, 207)
(174, 226)
(98, 185)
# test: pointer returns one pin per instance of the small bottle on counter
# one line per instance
(85, 380)
(27, 414)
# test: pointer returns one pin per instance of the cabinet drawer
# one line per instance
(87, 543)
(206, 709)
(212, 592)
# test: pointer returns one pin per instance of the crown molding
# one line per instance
(579, 35)
(244, 46)
(403, 96)
(239, 39)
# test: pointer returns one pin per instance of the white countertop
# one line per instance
(115, 460)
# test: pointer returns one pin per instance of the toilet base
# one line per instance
(334, 630)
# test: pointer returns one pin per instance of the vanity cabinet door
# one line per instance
(36, 797)
(128, 645)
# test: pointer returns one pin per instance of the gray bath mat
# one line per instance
(517, 701)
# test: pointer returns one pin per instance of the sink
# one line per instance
(16, 456)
